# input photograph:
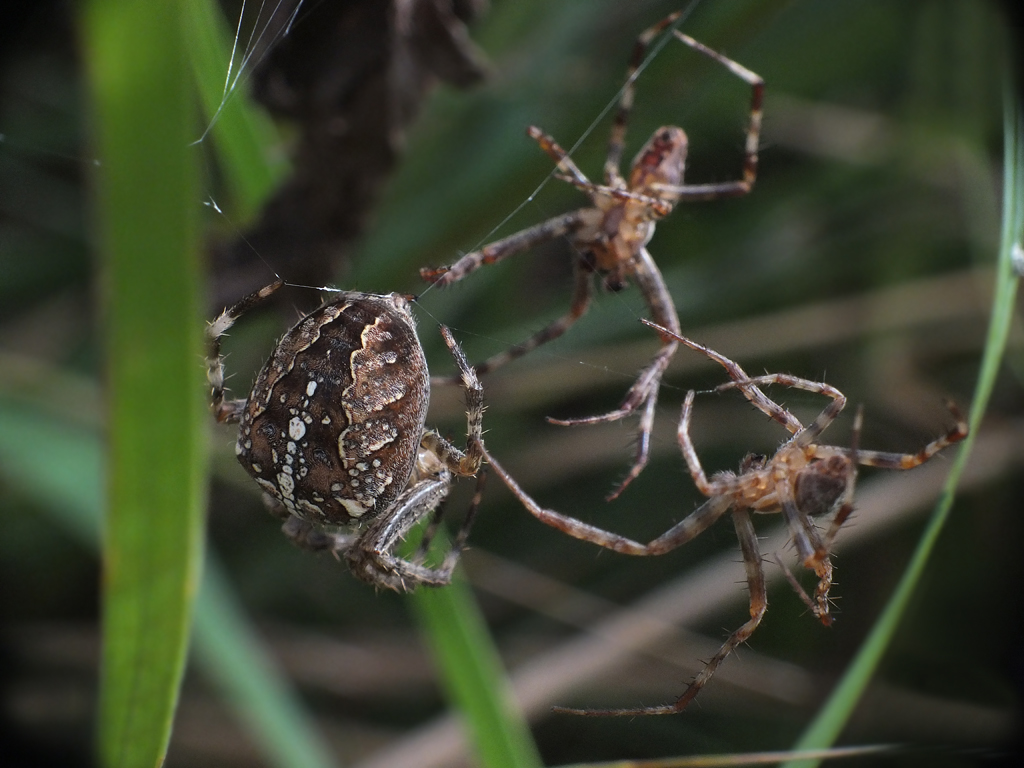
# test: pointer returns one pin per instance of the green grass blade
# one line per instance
(56, 463)
(836, 712)
(244, 136)
(146, 185)
(474, 677)
(234, 658)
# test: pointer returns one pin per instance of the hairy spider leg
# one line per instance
(571, 174)
(887, 460)
(686, 530)
(229, 411)
(617, 139)
(757, 588)
(740, 378)
(375, 554)
(740, 187)
(617, 136)
(456, 461)
(435, 524)
(644, 390)
(492, 253)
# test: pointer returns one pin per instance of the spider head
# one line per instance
(661, 161)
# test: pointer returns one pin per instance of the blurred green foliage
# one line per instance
(863, 257)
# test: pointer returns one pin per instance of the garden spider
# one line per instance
(610, 237)
(803, 480)
(333, 432)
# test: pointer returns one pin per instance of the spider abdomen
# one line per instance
(821, 485)
(333, 424)
(661, 161)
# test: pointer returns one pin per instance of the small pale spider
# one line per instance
(333, 432)
(803, 480)
(610, 237)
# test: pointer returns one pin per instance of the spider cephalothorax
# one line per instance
(333, 431)
(803, 480)
(610, 237)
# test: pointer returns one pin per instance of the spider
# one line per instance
(803, 480)
(333, 432)
(610, 237)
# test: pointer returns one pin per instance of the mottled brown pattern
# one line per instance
(335, 417)
(333, 431)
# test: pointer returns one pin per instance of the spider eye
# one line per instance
(753, 462)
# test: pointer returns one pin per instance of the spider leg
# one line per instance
(744, 185)
(846, 502)
(643, 441)
(581, 296)
(758, 605)
(643, 392)
(910, 460)
(571, 174)
(805, 536)
(807, 435)
(229, 411)
(459, 543)
(617, 137)
(372, 557)
(886, 460)
(659, 301)
(647, 385)
(462, 464)
(739, 377)
(797, 587)
(809, 545)
(429, 533)
(690, 452)
(685, 530)
(500, 249)
(463, 535)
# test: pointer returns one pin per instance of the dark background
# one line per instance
(863, 257)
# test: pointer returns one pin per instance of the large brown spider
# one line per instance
(803, 480)
(333, 432)
(610, 237)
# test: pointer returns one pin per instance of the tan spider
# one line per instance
(610, 237)
(803, 480)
